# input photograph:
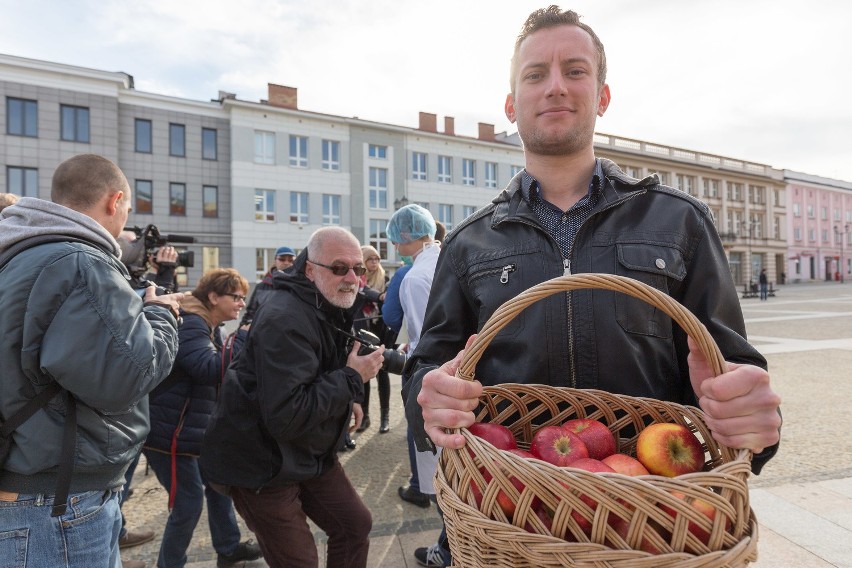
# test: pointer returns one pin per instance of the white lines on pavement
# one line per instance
(790, 345)
(792, 315)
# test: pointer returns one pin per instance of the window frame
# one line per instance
(331, 203)
(81, 130)
(204, 211)
(416, 172)
(298, 154)
(26, 107)
(27, 180)
(298, 199)
(137, 194)
(175, 188)
(175, 139)
(264, 205)
(468, 172)
(205, 144)
(445, 169)
(136, 136)
(378, 188)
(330, 155)
(265, 139)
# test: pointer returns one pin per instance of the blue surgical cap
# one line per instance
(410, 223)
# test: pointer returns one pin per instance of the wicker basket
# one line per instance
(583, 504)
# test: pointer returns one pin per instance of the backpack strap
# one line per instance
(31, 407)
(23, 245)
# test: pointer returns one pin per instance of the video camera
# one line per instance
(134, 254)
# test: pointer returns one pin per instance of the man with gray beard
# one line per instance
(285, 408)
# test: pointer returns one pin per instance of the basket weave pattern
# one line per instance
(584, 504)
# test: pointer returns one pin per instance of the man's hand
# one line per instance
(367, 365)
(171, 301)
(448, 402)
(166, 256)
(357, 416)
(740, 406)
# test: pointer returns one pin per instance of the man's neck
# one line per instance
(563, 180)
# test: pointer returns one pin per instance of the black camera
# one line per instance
(144, 283)
(134, 254)
(394, 359)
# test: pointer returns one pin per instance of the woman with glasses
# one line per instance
(180, 408)
(370, 319)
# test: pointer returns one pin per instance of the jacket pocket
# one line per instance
(654, 265)
(495, 281)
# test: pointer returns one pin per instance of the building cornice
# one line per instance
(61, 76)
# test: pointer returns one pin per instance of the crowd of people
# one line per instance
(251, 423)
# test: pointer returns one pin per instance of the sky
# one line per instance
(767, 81)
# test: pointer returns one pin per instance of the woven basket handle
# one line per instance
(505, 313)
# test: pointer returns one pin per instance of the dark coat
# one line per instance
(286, 401)
(183, 403)
(587, 338)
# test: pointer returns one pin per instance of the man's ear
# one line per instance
(113, 200)
(510, 107)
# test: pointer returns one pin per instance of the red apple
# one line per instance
(496, 434)
(622, 527)
(624, 464)
(669, 450)
(544, 516)
(589, 464)
(704, 507)
(522, 453)
(598, 439)
(558, 446)
(503, 500)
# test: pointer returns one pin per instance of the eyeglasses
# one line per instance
(237, 297)
(342, 269)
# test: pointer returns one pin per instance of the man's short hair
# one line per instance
(551, 17)
(7, 199)
(81, 181)
(321, 236)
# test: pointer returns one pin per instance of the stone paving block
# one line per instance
(820, 499)
(775, 551)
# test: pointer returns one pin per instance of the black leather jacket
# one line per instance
(588, 338)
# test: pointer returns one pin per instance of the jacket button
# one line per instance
(660, 263)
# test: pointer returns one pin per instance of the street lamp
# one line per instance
(842, 236)
(748, 227)
(401, 202)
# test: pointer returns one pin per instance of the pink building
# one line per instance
(819, 228)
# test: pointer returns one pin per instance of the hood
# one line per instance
(192, 305)
(32, 217)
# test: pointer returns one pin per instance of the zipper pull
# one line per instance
(566, 265)
(504, 276)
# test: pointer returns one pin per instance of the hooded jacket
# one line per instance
(68, 313)
(180, 407)
(286, 400)
(592, 339)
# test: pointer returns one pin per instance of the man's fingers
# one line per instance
(746, 380)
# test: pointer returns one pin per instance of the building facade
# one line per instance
(245, 177)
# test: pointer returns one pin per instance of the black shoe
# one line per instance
(365, 423)
(384, 428)
(350, 444)
(413, 496)
(247, 550)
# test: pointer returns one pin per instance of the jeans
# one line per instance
(86, 536)
(278, 516)
(128, 478)
(764, 291)
(191, 492)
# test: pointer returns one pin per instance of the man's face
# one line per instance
(557, 97)
(283, 261)
(339, 290)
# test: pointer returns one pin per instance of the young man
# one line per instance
(285, 407)
(568, 212)
(71, 317)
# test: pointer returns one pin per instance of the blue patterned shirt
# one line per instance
(562, 225)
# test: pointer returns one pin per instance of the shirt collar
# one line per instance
(531, 188)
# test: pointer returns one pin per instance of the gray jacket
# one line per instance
(68, 313)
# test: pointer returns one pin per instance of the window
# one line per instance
(467, 211)
(633, 172)
(264, 205)
(664, 177)
(711, 187)
(490, 174)
(21, 117)
(298, 151)
(264, 147)
(825, 235)
(330, 209)
(686, 184)
(144, 190)
(837, 214)
(797, 233)
(378, 188)
(515, 170)
(824, 213)
(758, 194)
(797, 210)
(377, 238)
(418, 166)
(22, 181)
(812, 235)
(263, 258)
(299, 207)
(445, 215)
(331, 155)
(143, 136)
(468, 172)
(209, 150)
(177, 199)
(210, 201)
(177, 140)
(75, 123)
(810, 211)
(445, 169)
(380, 152)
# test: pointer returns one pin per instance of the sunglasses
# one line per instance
(237, 297)
(342, 269)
